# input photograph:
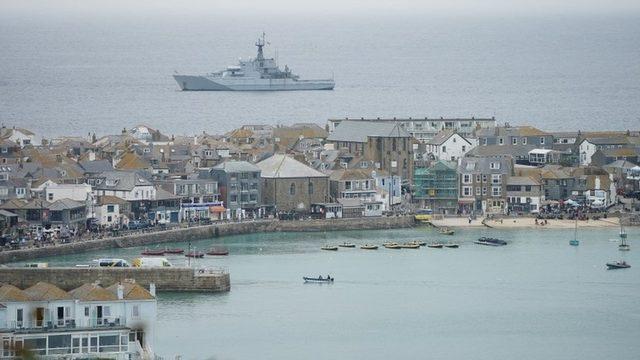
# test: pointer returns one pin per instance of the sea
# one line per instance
(535, 298)
(72, 75)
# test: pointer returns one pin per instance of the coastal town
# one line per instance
(57, 189)
(143, 186)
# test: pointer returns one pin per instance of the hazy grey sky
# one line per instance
(471, 7)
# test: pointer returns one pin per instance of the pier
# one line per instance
(165, 279)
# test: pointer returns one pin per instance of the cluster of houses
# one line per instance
(348, 168)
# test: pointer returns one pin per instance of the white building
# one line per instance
(109, 211)
(90, 321)
(22, 137)
(127, 185)
(590, 145)
(449, 145)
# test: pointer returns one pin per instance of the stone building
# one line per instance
(483, 183)
(289, 185)
(239, 187)
(387, 145)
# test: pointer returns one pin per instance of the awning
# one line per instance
(466, 201)
(217, 209)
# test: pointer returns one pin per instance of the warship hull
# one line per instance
(205, 83)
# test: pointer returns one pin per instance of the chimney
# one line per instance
(120, 291)
(152, 289)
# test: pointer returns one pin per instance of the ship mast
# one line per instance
(260, 43)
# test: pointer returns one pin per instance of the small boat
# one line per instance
(194, 254)
(490, 241)
(410, 245)
(618, 265)
(436, 245)
(218, 251)
(452, 246)
(174, 251)
(347, 245)
(369, 247)
(318, 279)
(330, 248)
(149, 252)
(392, 245)
(446, 231)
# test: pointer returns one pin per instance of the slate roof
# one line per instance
(108, 199)
(350, 174)
(92, 292)
(510, 131)
(622, 164)
(132, 291)
(283, 166)
(96, 166)
(507, 149)
(233, 166)
(65, 204)
(522, 180)
(12, 293)
(122, 180)
(443, 136)
(358, 131)
(43, 291)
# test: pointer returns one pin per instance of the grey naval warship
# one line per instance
(259, 74)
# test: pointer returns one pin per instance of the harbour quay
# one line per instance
(181, 279)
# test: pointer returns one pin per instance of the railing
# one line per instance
(46, 325)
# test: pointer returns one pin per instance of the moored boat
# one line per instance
(369, 247)
(618, 265)
(392, 245)
(410, 245)
(435, 245)
(452, 246)
(329, 247)
(490, 241)
(446, 231)
(218, 251)
(347, 245)
(194, 254)
(318, 279)
(150, 252)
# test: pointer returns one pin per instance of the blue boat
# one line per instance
(319, 279)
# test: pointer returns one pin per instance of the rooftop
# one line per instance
(283, 166)
(359, 131)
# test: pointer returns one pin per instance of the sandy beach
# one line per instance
(526, 222)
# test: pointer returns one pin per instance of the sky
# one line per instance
(321, 7)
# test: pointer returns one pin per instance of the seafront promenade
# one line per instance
(205, 232)
(523, 222)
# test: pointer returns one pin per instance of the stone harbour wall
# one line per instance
(207, 232)
(165, 279)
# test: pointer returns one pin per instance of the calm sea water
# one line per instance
(537, 298)
(75, 75)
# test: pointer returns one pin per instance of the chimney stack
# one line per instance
(120, 292)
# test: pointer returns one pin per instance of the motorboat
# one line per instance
(347, 245)
(618, 265)
(436, 245)
(218, 251)
(452, 246)
(318, 279)
(490, 241)
(173, 251)
(446, 231)
(369, 247)
(392, 245)
(575, 241)
(330, 248)
(410, 245)
(149, 252)
(194, 254)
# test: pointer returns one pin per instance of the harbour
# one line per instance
(486, 295)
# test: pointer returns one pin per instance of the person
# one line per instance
(319, 277)
(328, 277)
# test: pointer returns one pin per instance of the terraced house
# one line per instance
(436, 187)
(483, 184)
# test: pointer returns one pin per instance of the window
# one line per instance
(310, 188)
(496, 190)
(347, 185)
(501, 141)
(86, 311)
(477, 191)
(514, 141)
(466, 178)
(524, 141)
(5, 150)
(292, 189)
(541, 141)
(110, 208)
(484, 141)
(466, 190)
(464, 148)
(496, 178)
(527, 188)
(135, 311)
(494, 165)
(19, 316)
(484, 191)
(478, 178)
(50, 196)
(109, 218)
(444, 149)
(233, 198)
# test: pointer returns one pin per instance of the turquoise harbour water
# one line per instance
(537, 298)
